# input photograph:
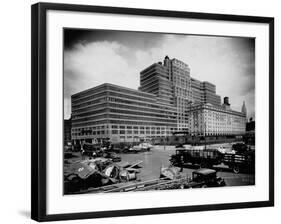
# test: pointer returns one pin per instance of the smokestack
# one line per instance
(166, 60)
(226, 101)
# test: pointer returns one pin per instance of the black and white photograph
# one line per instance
(147, 111)
(138, 111)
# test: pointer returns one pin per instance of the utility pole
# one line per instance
(205, 134)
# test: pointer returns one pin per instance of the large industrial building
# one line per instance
(121, 114)
(168, 100)
(171, 83)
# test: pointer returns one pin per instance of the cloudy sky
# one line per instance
(93, 57)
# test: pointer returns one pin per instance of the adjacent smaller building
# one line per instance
(210, 120)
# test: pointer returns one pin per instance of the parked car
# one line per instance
(112, 155)
(205, 177)
(240, 148)
(142, 147)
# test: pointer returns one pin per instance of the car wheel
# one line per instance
(174, 163)
(204, 186)
(236, 169)
(203, 165)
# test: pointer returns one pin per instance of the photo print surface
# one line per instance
(157, 111)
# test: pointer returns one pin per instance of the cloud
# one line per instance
(226, 62)
(92, 64)
(222, 61)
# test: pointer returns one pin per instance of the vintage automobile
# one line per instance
(208, 158)
(240, 148)
(204, 158)
(142, 147)
(111, 155)
(205, 178)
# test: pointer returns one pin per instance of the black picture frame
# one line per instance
(38, 108)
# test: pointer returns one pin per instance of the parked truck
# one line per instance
(208, 158)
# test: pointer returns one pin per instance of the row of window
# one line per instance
(125, 122)
(142, 132)
(120, 132)
(79, 96)
(214, 111)
(121, 127)
(131, 92)
(90, 100)
(85, 120)
(83, 106)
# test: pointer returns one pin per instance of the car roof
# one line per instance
(204, 171)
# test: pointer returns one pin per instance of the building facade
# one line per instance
(121, 114)
(204, 92)
(168, 100)
(210, 120)
(171, 83)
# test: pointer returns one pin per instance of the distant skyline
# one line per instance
(93, 57)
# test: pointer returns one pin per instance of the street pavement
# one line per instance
(159, 156)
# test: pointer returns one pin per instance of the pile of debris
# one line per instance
(97, 172)
(170, 178)
(97, 150)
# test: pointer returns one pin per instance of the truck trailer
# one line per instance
(208, 158)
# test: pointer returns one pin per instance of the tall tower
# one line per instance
(181, 82)
(171, 83)
(244, 109)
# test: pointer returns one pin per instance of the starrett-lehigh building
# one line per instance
(168, 100)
